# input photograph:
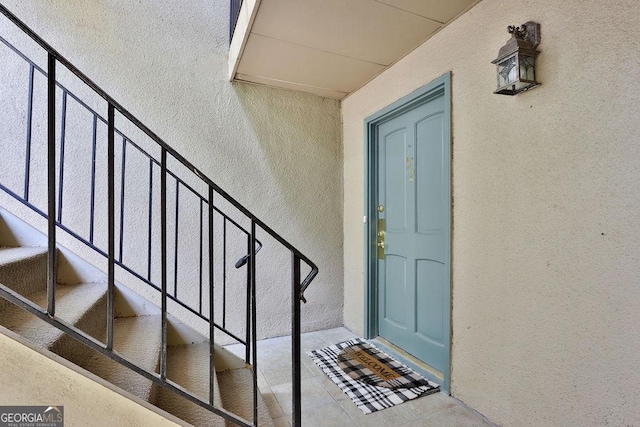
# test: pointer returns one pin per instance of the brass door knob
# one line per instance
(381, 245)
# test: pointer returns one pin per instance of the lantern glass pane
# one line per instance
(507, 71)
(527, 68)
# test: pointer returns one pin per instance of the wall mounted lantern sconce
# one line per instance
(516, 61)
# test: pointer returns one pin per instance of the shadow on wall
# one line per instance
(277, 152)
(299, 147)
(297, 150)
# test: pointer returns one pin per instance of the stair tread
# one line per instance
(10, 255)
(23, 270)
(72, 302)
(188, 365)
(236, 387)
(137, 339)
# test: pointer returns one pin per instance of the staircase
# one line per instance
(136, 337)
(142, 345)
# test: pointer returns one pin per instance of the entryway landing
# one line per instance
(324, 404)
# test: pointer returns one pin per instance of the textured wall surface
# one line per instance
(277, 152)
(546, 243)
(31, 378)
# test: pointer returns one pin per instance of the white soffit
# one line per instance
(332, 47)
(439, 10)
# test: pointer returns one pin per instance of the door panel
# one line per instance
(395, 145)
(413, 177)
(429, 182)
(395, 296)
(430, 300)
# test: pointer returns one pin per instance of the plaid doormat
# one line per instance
(364, 393)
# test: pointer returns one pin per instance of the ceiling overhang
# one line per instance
(331, 47)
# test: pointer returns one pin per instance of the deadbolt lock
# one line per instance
(380, 244)
(380, 208)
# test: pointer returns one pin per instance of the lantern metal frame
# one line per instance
(518, 54)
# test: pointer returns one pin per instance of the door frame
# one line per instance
(438, 87)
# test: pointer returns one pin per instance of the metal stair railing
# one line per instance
(207, 210)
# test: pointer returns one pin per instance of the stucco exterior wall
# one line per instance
(277, 152)
(39, 378)
(545, 264)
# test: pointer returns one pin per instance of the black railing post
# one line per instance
(111, 209)
(163, 256)
(92, 209)
(63, 134)
(150, 224)
(254, 345)
(27, 163)
(296, 412)
(175, 241)
(224, 275)
(51, 185)
(211, 302)
(201, 270)
(248, 303)
(123, 168)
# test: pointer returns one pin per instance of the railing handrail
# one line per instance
(97, 117)
(298, 286)
(118, 107)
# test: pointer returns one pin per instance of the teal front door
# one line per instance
(413, 230)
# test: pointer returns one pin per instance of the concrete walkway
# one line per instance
(324, 404)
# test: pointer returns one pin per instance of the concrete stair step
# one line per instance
(82, 305)
(188, 366)
(236, 387)
(23, 270)
(10, 255)
(137, 339)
